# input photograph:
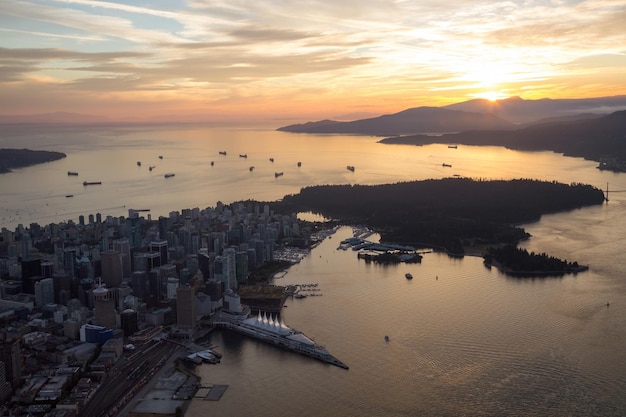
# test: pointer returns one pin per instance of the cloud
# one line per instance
(358, 54)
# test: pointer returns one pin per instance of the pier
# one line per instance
(278, 334)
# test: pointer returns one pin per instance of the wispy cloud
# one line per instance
(307, 55)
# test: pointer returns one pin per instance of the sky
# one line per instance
(300, 60)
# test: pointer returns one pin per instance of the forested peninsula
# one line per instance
(600, 139)
(20, 158)
(451, 214)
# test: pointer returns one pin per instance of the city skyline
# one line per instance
(250, 62)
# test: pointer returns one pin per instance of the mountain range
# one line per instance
(478, 114)
(601, 139)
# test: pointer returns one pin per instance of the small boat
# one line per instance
(452, 146)
(222, 152)
(251, 169)
(152, 167)
(277, 174)
(271, 159)
(350, 168)
(160, 156)
(386, 338)
(72, 173)
(299, 163)
(243, 155)
(138, 163)
(446, 165)
(408, 275)
(169, 175)
(208, 357)
(69, 196)
(92, 182)
(212, 163)
(300, 295)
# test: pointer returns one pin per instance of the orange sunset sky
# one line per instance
(300, 60)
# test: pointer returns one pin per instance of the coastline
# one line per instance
(21, 158)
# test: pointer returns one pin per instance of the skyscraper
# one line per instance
(123, 246)
(133, 231)
(160, 246)
(128, 321)
(44, 292)
(186, 307)
(112, 269)
(104, 307)
(10, 354)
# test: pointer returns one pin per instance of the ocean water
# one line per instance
(110, 155)
(464, 340)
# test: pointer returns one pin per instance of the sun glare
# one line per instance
(492, 95)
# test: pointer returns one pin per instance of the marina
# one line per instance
(454, 336)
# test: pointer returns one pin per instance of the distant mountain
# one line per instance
(469, 115)
(52, 118)
(601, 139)
(562, 119)
(309, 126)
(518, 110)
(415, 120)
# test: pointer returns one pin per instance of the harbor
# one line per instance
(282, 337)
(270, 329)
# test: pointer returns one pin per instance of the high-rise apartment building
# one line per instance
(112, 268)
(104, 307)
(44, 292)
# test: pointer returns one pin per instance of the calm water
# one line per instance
(464, 340)
(110, 155)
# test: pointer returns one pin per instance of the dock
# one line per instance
(281, 336)
(215, 392)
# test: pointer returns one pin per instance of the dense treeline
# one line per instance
(450, 213)
(518, 261)
(595, 139)
(18, 158)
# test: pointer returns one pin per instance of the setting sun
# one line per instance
(191, 61)
(492, 95)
